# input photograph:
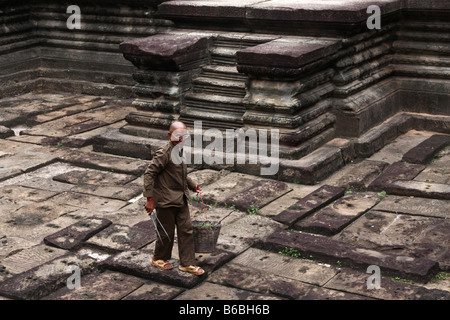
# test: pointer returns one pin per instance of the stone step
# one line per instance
(233, 88)
(224, 72)
(330, 250)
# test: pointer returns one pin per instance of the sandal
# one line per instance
(192, 269)
(161, 264)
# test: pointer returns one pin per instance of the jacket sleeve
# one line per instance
(157, 164)
(191, 183)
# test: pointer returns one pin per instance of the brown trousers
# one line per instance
(179, 217)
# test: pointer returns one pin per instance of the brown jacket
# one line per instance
(166, 181)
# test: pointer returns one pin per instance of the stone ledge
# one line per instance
(331, 250)
(170, 52)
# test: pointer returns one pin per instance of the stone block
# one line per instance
(327, 249)
(419, 189)
(117, 237)
(425, 151)
(73, 235)
(336, 216)
(171, 52)
(308, 204)
(396, 171)
(259, 195)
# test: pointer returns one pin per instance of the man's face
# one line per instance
(178, 135)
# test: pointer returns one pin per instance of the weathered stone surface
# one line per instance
(402, 234)
(396, 171)
(259, 195)
(15, 192)
(326, 248)
(415, 206)
(425, 151)
(118, 237)
(228, 186)
(293, 268)
(351, 281)
(46, 278)
(212, 291)
(84, 201)
(284, 54)
(313, 201)
(336, 216)
(419, 189)
(138, 264)
(358, 177)
(438, 171)
(72, 236)
(105, 286)
(95, 177)
(242, 233)
(165, 51)
(29, 258)
(154, 291)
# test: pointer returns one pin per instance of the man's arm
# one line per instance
(157, 164)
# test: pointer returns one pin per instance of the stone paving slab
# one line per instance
(258, 195)
(425, 151)
(438, 171)
(117, 237)
(242, 233)
(226, 187)
(16, 192)
(358, 176)
(71, 236)
(332, 250)
(419, 189)
(401, 234)
(137, 263)
(415, 206)
(297, 269)
(104, 286)
(335, 217)
(29, 258)
(95, 177)
(356, 282)
(212, 291)
(396, 171)
(85, 201)
(313, 201)
(154, 291)
(46, 278)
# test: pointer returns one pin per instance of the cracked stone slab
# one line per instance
(426, 150)
(30, 257)
(226, 187)
(419, 189)
(154, 291)
(85, 201)
(401, 234)
(108, 285)
(356, 282)
(258, 195)
(118, 237)
(124, 193)
(137, 263)
(213, 291)
(16, 192)
(46, 278)
(336, 216)
(71, 236)
(415, 206)
(396, 171)
(94, 177)
(293, 268)
(357, 177)
(313, 201)
(333, 250)
(244, 232)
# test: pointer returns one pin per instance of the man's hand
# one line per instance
(198, 189)
(150, 205)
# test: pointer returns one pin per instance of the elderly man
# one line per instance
(166, 187)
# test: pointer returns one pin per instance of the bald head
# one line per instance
(177, 132)
(177, 125)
